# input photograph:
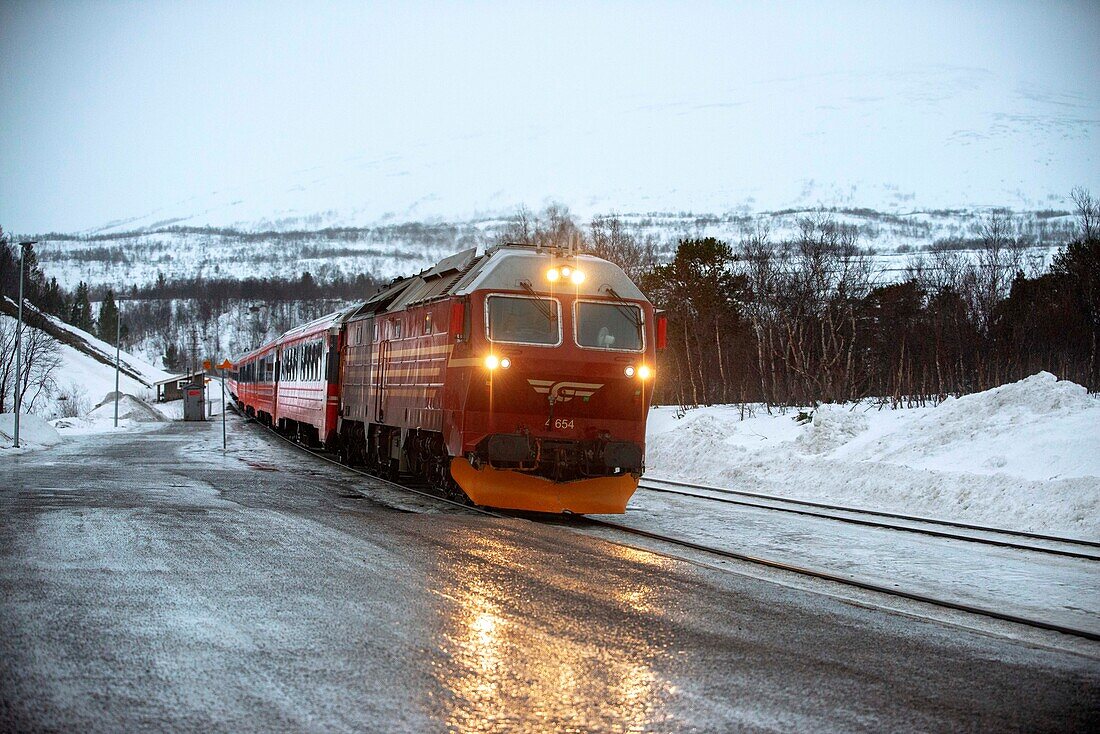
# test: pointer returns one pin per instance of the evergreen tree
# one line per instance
(172, 358)
(9, 267)
(80, 315)
(108, 318)
(53, 299)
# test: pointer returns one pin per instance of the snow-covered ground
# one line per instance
(1023, 456)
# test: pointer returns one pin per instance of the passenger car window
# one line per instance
(609, 326)
(524, 320)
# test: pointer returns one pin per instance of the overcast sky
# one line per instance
(110, 110)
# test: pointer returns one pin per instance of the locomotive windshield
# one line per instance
(524, 320)
(609, 326)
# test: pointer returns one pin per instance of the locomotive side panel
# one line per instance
(412, 363)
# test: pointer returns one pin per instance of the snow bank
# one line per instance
(1024, 455)
(33, 432)
(129, 407)
(1039, 428)
(132, 412)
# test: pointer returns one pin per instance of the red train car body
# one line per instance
(520, 378)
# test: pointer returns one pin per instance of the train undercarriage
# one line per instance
(509, 471)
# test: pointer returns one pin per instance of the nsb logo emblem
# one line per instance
(563, 392)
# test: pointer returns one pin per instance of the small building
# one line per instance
(172, 388)
(194, 401)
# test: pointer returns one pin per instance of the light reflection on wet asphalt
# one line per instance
(507, 670)
(151, 582)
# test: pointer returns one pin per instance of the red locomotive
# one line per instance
(520, 378)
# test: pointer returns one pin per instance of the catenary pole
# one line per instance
(223, 409)
(118, 349)
(23, 247)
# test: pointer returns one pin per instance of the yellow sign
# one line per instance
(226, 365)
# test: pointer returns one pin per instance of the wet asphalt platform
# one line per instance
(147, 582)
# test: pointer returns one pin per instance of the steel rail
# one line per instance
(813, 573)
(849, 581)
(879, 513)
(882, 524)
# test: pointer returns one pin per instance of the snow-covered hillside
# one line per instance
(85, 374)
(385, 251)
(1025, 455)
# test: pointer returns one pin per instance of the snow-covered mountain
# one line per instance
(388, 250)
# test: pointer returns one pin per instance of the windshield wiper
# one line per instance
(543, 304)
(628, 309)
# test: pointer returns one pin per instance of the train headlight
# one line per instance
(505, 363)
(644, 373)
(565, 271)
(629, 371)
(491, 362)
(577, 277)
(553, 274)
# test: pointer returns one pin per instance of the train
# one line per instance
(517, 378)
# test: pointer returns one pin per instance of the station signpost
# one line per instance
(226, 365)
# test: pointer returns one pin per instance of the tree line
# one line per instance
(810, 319)
(783, 321)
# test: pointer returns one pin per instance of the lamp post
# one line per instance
(23, 247)
(118, 342)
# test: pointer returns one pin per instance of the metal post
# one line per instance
(223, 410)
(19, 343)
(118, 346)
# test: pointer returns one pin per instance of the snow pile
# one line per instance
(1024, 455)
(33, 432)
(129, 407)
(1039, 428)
(833, 426)
(132, 411)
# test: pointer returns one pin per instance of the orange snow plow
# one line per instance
(509, 489)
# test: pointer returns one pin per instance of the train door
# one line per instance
(366, 340)
(380, 379)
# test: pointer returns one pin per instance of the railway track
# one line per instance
(819, 574)
(850, 581)
(1001, 537)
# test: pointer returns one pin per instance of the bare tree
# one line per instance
(40, 359)
(1088, 212)
(612, 241)
(553, 226)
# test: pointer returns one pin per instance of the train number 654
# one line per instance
(565, 423)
